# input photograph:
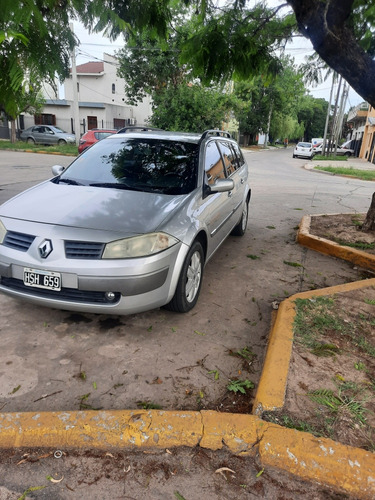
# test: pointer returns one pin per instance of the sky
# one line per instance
(92, 46)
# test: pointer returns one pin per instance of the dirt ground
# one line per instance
(344, 229)
(331, 383)
(182, 474)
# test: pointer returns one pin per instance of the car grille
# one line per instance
(18, 241)
(83, 250)
(65, 294)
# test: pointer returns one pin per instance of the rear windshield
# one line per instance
(102, 135)
(304, 144)
(141, 164)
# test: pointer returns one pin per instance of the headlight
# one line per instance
(3, 232)
(139, 246)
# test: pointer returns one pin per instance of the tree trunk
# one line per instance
(327, 25)
(13, 131)
(369, 224)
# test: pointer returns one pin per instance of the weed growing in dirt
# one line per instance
(343, 400)
(240, 385)
(148, 405)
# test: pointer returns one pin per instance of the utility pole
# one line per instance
(340, 118)
(334, 118)
(328, 115)
(77, 126)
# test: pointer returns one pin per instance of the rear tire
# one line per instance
(30, 140)
(240, 229)
(189, 282)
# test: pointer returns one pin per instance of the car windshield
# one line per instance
(139, 164)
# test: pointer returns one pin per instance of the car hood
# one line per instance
(126, 212)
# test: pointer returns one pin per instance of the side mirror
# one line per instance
(222, 185)
(57, 169)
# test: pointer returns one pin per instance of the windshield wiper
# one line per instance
(71, 182)
(115, 185)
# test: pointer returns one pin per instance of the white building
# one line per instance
(101, 99)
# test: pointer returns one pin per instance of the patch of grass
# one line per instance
(361, 245)
(270, 227)
(292, 264)
(68, 149)
(331, 158)
(316, 317)
(148, 405)
(344, 399)
(292, 423)
(252, 257)
(370, 302)
(365, 175)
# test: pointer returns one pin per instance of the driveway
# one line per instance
(54, 360)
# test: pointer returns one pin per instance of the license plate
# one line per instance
(38, 278)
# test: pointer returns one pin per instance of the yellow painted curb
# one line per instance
(322, 245)
(322, 460)
(346, 469)
(271, 390)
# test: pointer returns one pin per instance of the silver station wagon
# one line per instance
(128, 226)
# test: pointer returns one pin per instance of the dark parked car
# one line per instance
(46, 134)
(92, 136)
(128, 226)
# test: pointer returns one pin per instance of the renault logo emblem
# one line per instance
(45, 248)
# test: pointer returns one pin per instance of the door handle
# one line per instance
(229, 194)
(242, 181)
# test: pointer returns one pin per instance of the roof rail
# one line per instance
(130, 128)
(219, 133)
(214, 133)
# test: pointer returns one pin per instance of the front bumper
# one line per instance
(135, 285)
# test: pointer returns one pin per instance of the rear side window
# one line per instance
(240, 158)
(229, 157)
(213, 164)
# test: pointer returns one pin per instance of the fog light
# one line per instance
(110, 296)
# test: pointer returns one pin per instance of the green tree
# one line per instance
(190, 108)
(35, 43)
(271, 104)
(151, 67)
(312, 114)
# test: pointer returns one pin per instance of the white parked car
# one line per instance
(343, 150)
(303, 150)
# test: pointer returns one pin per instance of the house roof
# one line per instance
(91, 67)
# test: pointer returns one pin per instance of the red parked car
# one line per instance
(92, 136)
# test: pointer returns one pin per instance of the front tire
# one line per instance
(240, 229)
(190, 281)
(61, 142)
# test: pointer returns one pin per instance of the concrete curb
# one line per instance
(40, 152)
(347, 469)
(358, 257)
